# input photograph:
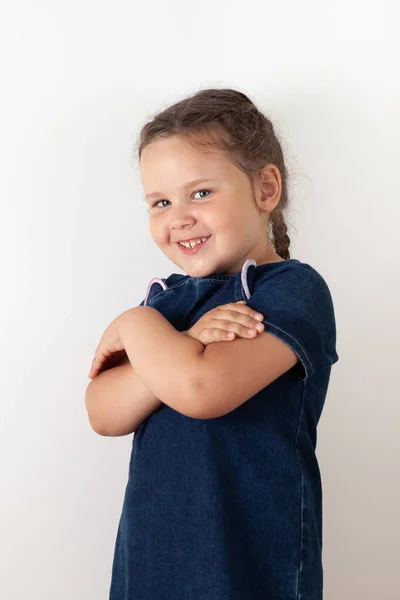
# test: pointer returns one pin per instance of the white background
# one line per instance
(78, 80)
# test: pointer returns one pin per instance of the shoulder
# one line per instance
(297, 280)
(288, 269)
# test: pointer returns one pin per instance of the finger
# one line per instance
(114, 358)
(91, 370)
(242, 308)
(223, 334)
(97, 364)
(92, 373)
(237, 316)
(105, 362)
(216, 334)
(236, 327)
(94, 369)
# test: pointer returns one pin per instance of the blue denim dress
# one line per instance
(230, 508)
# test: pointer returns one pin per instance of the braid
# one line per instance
(281, 239)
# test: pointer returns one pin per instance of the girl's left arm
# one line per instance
(163, 357)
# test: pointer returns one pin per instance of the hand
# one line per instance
(110, 351)
(223, 322)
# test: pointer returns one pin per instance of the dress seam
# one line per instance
(177, 285)
(300, 568)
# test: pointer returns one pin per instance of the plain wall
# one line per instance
(78, 81)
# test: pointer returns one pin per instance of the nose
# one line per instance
(180, 217)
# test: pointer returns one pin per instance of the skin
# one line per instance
(232, 209)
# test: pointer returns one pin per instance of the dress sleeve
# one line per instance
(297, 307)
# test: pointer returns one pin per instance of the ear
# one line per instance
(268, 188)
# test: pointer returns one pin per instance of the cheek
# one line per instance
(228, 222)
(215, 218)
(158, 231)
(154, 229)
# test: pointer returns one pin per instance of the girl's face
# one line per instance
(192, 194)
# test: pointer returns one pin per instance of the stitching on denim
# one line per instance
(284, 264)
(172, 287)
(298, 595)
(295, 341)
(177, 285)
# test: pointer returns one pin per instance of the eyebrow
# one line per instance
(186, 185)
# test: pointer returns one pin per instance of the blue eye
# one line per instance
(198, 191)
(209, 192)
(158, 202)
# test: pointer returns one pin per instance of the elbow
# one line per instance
(183, 396)
(97, 427)
(195, 401)
(94, 423)
(208, 402)
(100, 432)
(190, 392)
(103, 427)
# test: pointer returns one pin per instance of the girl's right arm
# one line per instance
(117, 401)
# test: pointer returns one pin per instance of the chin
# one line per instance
(193, 272)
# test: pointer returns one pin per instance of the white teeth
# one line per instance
(192, 243)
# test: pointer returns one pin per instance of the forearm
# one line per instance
(165, 359)
(117, 401)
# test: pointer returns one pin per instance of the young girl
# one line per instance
(223, 500)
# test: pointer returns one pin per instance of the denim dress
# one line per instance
(230, 508)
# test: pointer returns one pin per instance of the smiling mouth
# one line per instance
(195, 248)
